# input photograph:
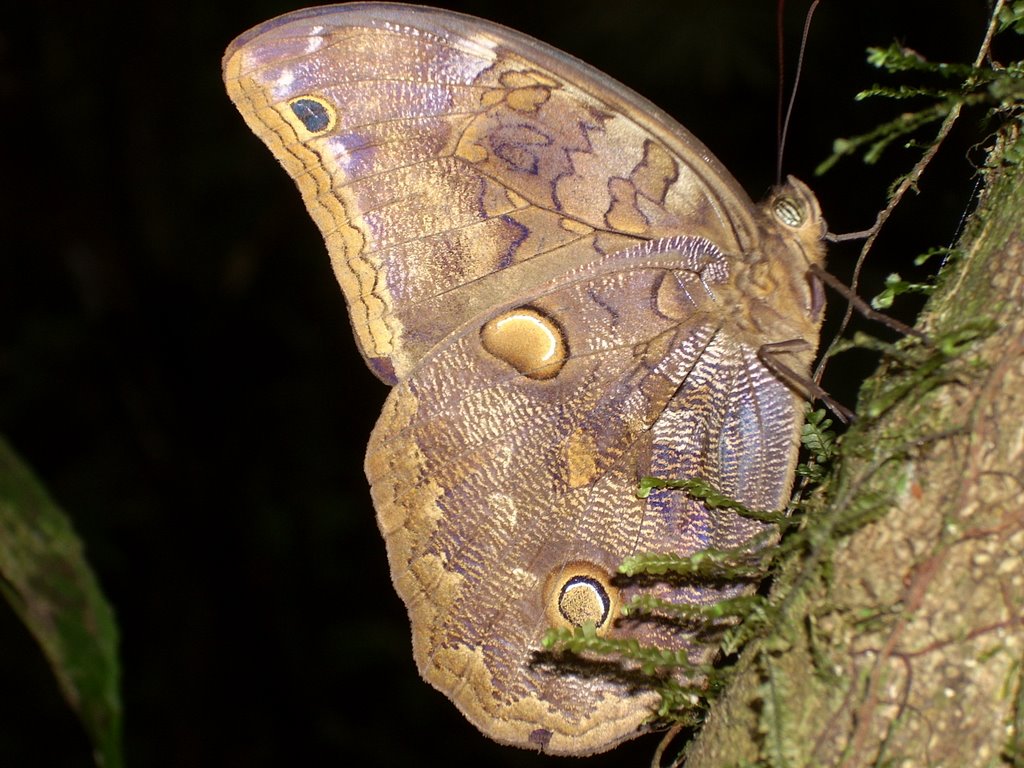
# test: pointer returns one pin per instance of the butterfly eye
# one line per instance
(315, 114)
(789, 211)
(529, 340)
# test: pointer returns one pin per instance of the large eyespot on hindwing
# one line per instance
(315, 114)
(529, 340)
(578, 593)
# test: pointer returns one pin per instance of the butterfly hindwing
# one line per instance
(497, 489)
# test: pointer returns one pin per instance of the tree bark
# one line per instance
(900, 630)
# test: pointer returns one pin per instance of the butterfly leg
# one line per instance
(863, 307)
(806, 386)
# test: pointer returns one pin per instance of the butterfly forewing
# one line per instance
(445, 150)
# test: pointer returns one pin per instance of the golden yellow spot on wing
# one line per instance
(471, 152)
(528, 340)
(580, 454)
(528, 99)
(623, 214)
(526, 79)
(655, 173)
(576, 227)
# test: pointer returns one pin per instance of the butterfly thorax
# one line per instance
(775, 297)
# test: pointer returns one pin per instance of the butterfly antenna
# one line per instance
(783, 128)
(781, 90)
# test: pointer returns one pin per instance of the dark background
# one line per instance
(176, 363)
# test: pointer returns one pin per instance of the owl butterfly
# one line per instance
(567, 292)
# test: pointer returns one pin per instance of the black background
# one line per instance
(176, 362)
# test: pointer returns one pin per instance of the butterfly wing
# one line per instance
(447, 160)
(508, 501)
(569, 293)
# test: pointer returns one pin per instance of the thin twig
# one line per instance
(909, 181)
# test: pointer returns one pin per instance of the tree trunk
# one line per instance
(900, 629)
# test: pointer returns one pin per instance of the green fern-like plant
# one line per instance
(956, 86)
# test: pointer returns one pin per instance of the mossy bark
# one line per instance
(901, 623)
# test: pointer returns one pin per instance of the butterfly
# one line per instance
(566, 292)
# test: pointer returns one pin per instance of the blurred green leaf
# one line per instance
(46, 579)
(895, 286)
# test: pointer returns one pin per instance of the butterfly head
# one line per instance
(788, 297)
(794, 210)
